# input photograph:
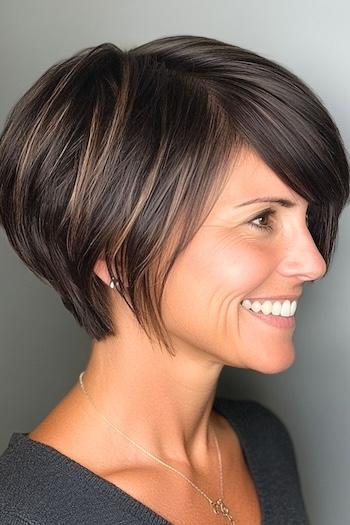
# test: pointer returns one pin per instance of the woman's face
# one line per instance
(242, 252)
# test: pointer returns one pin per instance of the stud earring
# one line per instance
(114, 283)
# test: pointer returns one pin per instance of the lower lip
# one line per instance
(274, 320)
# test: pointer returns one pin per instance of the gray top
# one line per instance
(39, 485)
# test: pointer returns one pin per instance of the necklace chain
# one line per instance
(218, 506)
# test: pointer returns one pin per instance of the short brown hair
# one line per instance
(122, 154)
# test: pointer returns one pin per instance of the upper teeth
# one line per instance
(285, 308)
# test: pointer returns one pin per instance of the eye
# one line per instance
(263, 215)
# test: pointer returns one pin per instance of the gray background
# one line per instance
(43, 349)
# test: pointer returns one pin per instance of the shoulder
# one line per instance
(16, 484)
(39, 485)
(262, 432)
(269, 451)
(9, 516)
(254, 416)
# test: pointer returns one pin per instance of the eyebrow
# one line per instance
(283, 202)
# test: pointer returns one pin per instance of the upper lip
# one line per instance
(274, 298)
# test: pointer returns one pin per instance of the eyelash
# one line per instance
(263, 214)
(268, 213)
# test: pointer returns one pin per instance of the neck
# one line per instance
(162, 403)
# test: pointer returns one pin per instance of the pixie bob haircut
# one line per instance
(121, 155)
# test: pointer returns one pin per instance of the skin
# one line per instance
(164, 403)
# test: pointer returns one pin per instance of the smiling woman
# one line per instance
(177, 196)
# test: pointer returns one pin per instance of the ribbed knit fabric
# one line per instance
(41, 486)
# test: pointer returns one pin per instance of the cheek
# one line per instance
(249, 268)
(235, 266)
(208, 275)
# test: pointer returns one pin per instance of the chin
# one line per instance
(270, 361)
(276, 364)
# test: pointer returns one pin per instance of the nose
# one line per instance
(303, 259)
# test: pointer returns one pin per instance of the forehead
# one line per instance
(249, 178)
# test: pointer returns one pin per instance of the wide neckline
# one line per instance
(132, 505)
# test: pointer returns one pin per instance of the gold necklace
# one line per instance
(218, 506)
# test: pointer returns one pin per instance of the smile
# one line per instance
(285, 308)
(273, 320)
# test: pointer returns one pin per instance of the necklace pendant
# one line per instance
(219, 507)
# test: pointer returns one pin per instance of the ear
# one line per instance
(102, 272)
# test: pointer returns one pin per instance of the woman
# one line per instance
(178, 196)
